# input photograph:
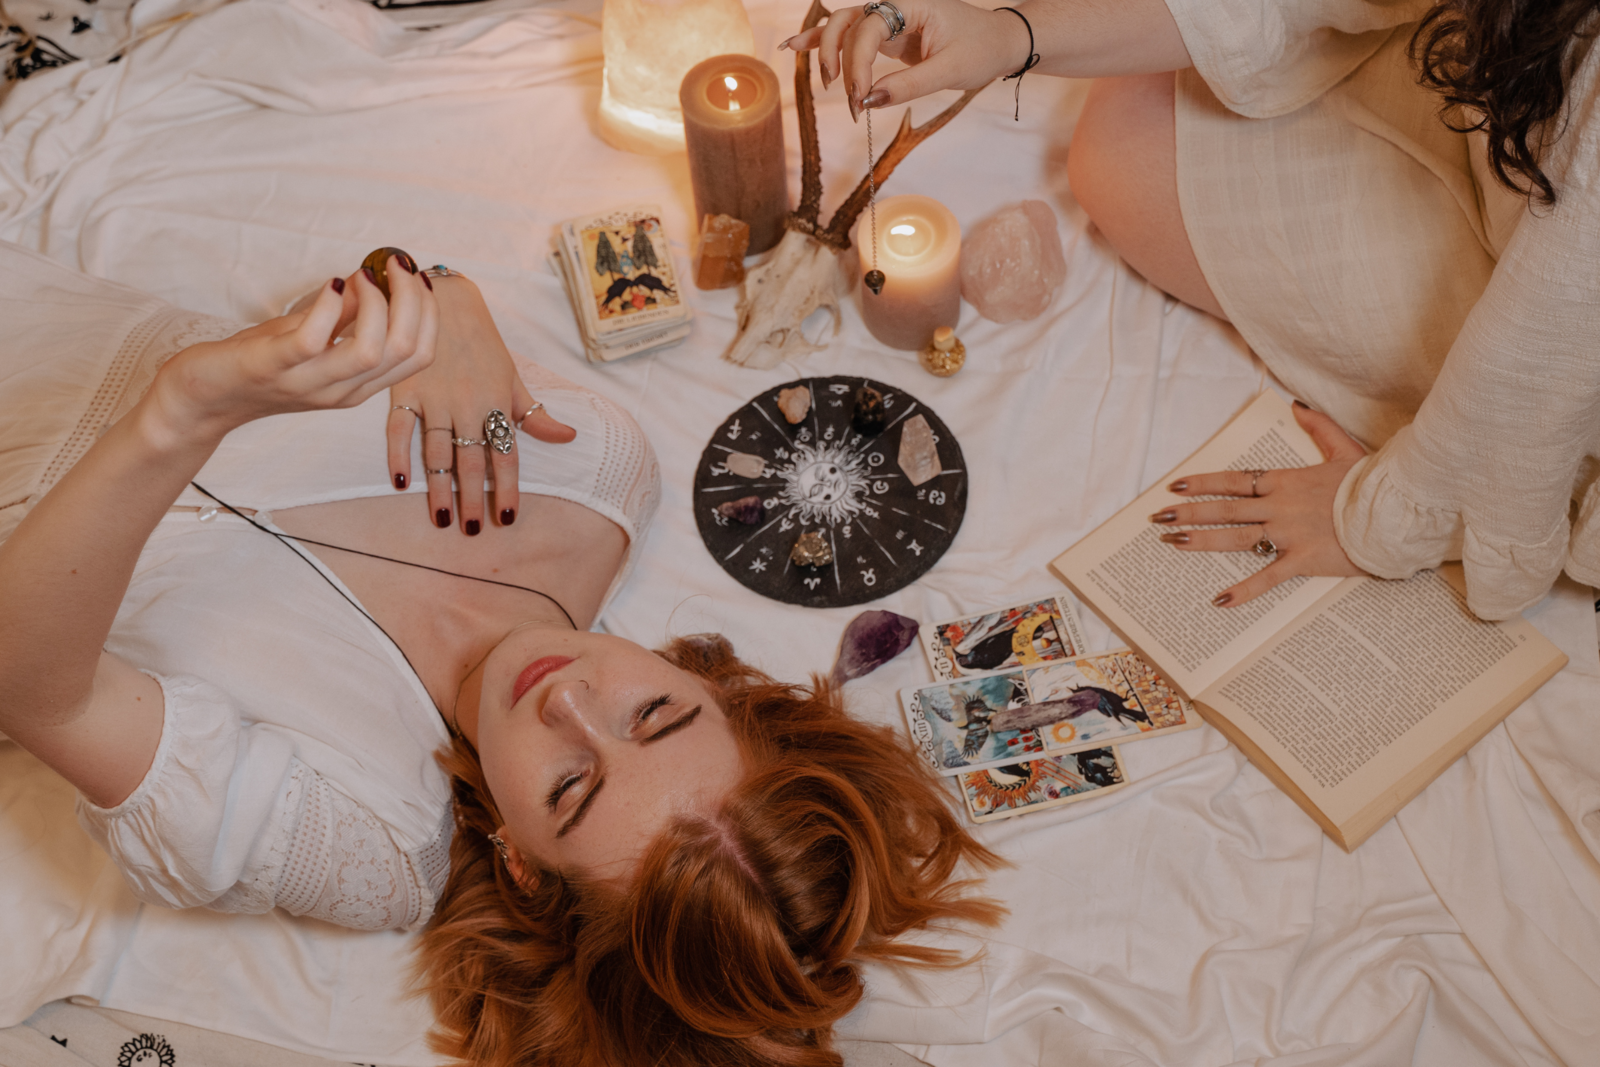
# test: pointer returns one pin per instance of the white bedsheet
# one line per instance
(231, 161)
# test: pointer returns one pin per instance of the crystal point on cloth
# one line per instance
(919, 453)
(811, 550)
(869, 415)
(871, 639)
(745, 465)
(794, 403)
(747, 510)
(1011, 263)
(719, 254)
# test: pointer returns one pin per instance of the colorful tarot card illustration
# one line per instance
(950, 723)
(1096, 700)
(1043, 630)
(1018, 788)
(625, 258)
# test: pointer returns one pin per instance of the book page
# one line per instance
(1160, 598)
(1381, 677)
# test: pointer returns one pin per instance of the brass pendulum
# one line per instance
(874, 277)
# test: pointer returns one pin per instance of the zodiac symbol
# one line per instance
(733, 431)
(936, 497)
(875, 459)
(880, 487)
(868, 578)
(812, 583)
(785, 525)
(913, 546)
(838, 390)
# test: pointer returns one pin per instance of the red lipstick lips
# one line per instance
(534, 671)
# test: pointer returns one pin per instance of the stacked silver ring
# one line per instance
(465, 442)
(497, 432)
(889, 14)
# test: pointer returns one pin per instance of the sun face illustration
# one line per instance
(824, 482)
(146, 1050)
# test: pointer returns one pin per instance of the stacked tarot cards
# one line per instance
(1023, 719)
(617, 269)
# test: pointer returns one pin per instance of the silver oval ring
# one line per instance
(1264, 547)
(465, 442)
(497, 431)
(889, 14)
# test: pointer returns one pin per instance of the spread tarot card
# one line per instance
(617, 269)
(1021, 714)
(1043, 630)
(1018, 788)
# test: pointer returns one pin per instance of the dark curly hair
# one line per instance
(735, 944)
(1503, 67)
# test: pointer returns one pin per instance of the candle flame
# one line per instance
(905, 229)
(733, 86)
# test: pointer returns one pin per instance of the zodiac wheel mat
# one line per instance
(821, 476)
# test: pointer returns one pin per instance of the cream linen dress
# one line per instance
(1368, 255)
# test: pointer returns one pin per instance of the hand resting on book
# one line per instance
(1293, 508)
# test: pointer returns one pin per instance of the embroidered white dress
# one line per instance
(295, 767)
(1368, 255)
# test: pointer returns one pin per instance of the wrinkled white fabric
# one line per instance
(1371, 259)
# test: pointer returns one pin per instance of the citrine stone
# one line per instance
(719, 253)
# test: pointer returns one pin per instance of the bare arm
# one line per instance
(63, 572)
(952, 44)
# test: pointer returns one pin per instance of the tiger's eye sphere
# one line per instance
(378, 262)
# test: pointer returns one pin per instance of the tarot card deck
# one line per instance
(617, 269)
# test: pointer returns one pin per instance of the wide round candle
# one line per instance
(733, 125)
(919, 252)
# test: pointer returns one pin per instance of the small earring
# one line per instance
(499, 844)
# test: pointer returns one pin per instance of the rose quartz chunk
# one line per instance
(1011, 262)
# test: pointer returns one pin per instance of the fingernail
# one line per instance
(338, 285)
(1179, 538)
(428, 282)
(1178, 486)
(472, 527)
(399, 481)
(784, 43)
(1222, 600)
(441, 518)
(855, 104)
(1300, 405)
(507, 516)
(409, 263)
(371, 277)
(876, 98)
(1165, 516)
(827, 79)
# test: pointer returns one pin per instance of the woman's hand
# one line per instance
(472, 376)
(297, 362)
(948, 44)
(1291, 507)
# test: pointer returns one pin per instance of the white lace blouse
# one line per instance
(295, 767)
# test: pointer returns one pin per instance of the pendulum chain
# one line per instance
(874, 277)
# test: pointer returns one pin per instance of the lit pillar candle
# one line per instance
(919, 252)
(734, 130)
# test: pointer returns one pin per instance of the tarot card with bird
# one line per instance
(1034, 785)
(1042, 630)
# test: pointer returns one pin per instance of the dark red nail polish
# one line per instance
(1175, 538)
(441, 518)
(428, 282)
(1222, 600)
(409, 263)
(1300, 405)
(338, 285)
(1165, 516)
(371, 277)
(1178, 486)
(399, 481)
(507, 516)
(472, 527)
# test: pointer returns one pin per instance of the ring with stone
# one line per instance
(465, 442)
(438, 470)
(889, 14)
(1264, 547)
(498, 433)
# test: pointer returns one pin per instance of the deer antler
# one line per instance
(905, 139)
(810, 146)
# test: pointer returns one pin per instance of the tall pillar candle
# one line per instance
(733, 125)
(919, 252)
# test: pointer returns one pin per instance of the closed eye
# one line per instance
(672, 728)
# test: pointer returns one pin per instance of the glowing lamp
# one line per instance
(649, 46)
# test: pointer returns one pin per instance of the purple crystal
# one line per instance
(872, 639)
(747, 509)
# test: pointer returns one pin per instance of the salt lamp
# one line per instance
(649, 46)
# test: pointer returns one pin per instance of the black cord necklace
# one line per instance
(286, 538)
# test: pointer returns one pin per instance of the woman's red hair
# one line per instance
(736, 942)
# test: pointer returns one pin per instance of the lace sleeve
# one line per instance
(333, 859)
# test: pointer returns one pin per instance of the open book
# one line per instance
(1351, 694)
